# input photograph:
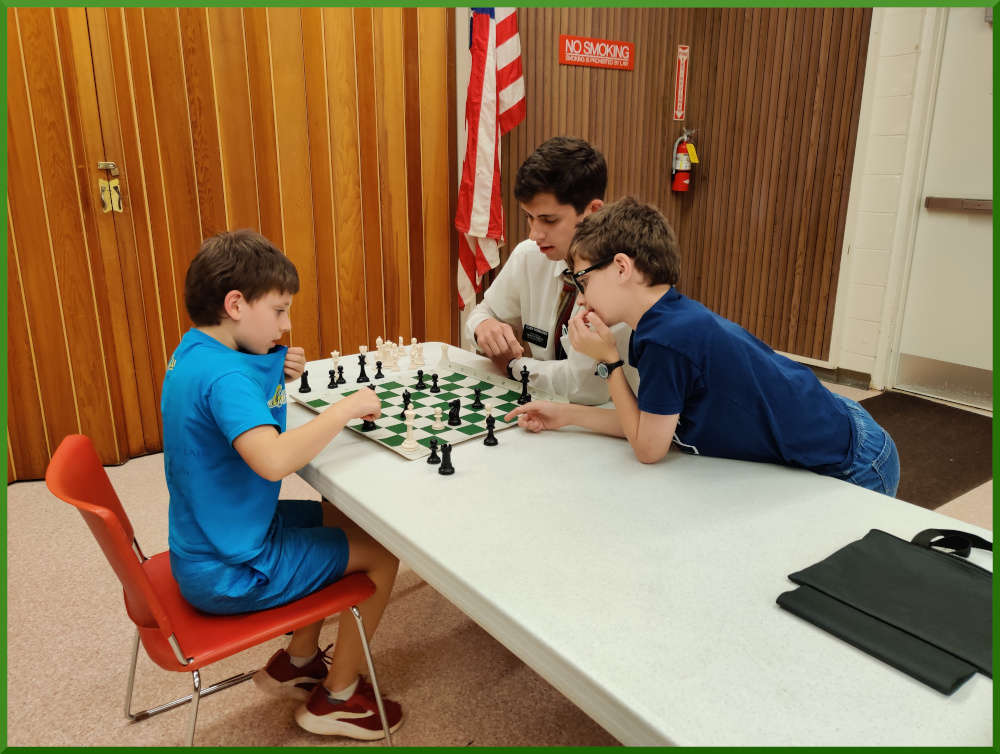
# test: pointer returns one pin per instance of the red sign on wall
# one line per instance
(596, 53)
(681, 81)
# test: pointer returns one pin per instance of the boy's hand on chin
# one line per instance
(590, 336)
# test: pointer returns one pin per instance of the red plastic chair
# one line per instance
(175, 635)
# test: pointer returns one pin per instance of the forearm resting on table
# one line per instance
(648, 434)
(275, 455)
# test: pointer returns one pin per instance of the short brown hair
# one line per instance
(569, 168)
(239, 260)
(638, 230)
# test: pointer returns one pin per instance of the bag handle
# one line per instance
(961, 542)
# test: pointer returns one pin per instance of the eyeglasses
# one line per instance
(576, 278)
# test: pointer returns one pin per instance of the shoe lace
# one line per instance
(324, 655)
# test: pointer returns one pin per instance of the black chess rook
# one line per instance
(304, 383)
(446, 467)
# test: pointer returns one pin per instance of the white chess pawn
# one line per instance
(413, 341)
(417, 355)
(437, 423)
(410, 443)
(400, 341)
(445, 362)
(378, 344)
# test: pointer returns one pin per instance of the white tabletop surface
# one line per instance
(646, 593)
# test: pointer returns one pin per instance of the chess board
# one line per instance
(454, 382)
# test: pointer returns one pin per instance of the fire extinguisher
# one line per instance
(681, 169)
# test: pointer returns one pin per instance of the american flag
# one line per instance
(493, 106)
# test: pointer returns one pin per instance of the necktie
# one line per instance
(566, 300)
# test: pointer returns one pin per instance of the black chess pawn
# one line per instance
(434, 457)
(340, 376)
(491, 439)
(525, 397)
(333, 380)
(406, 404)
(368, 425)
(362, 377)
(304, 383)
(446, 467)
(477, 403)
(421, 385)
(434, 384)
(378, 370)
(456, 406)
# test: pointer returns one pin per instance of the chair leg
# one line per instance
(371, 672)
(131, 678)
(195, 698)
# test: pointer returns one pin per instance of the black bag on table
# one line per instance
(923, 611)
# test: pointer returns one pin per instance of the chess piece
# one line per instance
(434, 457)
(525, 397)
(304, 383)
(456, 406)
(477, 402)
(446, 467)
(362, 377)
(434, 384)
(334, 358)
(406, 403)
(421, 385)
(401, 341)
(491, 438)
(333, 380)
(437, 423)
(368, 425)
(410, 443)
(378, 370)
(444, 363)
(340, 375)
(417, 355)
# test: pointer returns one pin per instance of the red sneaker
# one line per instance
(283, 679)
(355, 718)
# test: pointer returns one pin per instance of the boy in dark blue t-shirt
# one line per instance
(705, 383)
(234, 546)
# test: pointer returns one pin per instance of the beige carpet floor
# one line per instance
(68, 644)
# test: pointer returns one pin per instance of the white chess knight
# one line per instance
(437, 423)
(410, 443)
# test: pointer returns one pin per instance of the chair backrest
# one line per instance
(76, 476)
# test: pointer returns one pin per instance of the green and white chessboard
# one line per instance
(455, 382)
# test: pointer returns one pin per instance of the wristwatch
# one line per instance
(604, 370)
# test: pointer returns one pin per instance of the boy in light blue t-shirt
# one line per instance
(234, 547)
(705, 383)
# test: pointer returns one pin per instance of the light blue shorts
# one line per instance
(875, 464)
(300, 557)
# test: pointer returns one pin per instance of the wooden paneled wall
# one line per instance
(327, 129)
(774, 96)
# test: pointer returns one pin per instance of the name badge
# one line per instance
(533, 335)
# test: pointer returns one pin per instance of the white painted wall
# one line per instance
(890, 171)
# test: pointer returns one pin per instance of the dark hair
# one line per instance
(638, 230)
(569, 168)
(239, 260)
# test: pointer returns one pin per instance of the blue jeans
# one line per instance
(875, 464)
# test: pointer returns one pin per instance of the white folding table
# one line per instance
(646, 593)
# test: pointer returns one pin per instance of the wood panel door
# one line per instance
(773, 95)
(326, 129)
